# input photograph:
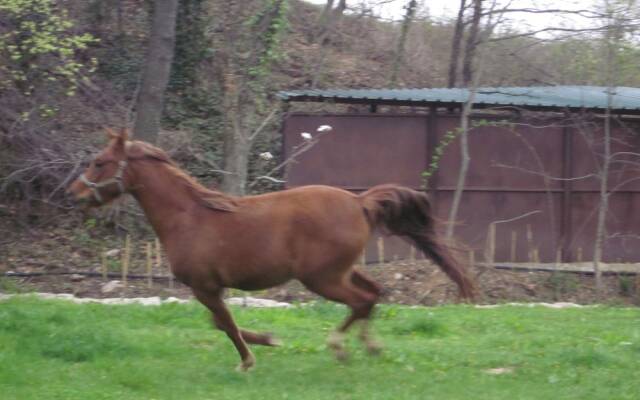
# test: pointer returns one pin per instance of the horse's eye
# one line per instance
(99, 164)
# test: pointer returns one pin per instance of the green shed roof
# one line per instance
(626, 100)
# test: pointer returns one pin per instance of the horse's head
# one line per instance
(106, 177)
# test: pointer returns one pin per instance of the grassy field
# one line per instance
(61, 350)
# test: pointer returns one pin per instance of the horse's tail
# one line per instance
(405, 212)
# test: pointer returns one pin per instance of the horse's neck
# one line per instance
(165, 200)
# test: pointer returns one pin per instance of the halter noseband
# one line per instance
(95, 186)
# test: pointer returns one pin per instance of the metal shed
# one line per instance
(534, 150)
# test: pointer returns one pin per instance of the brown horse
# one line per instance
(215, 241)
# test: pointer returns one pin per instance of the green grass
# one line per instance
(61, 350)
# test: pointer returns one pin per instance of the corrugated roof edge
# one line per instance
(544, 97)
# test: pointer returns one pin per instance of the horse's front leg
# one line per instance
(223, 321)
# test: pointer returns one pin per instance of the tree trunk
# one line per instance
(244, 92)
(464, 162)
(321, 24)
(472, 44)
(613, 36)
(455, 45)
(236, 163)
(604, 196)
(323, 38)
(237, 144)
(402, 41)
(155, 75)
(464, 121)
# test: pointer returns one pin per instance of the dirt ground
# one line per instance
(417, 283)
(75, 246)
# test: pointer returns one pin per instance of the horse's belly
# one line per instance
(259, 283)
(258, 278)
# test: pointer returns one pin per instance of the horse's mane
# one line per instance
(206, 197)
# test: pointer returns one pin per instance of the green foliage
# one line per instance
(121, 65)
(60, 350)
(563, 283)
(447, 139)
(83, 343)
(8, 285)
(581, 62)
(274, 13)
(39, 46)
(192, 46)
(90, 223)
(427, 327)
(580, 59)
(627, 285)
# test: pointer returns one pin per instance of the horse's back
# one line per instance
(316, 224)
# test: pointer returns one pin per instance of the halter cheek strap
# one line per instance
(116, 179)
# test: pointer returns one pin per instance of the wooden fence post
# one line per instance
(103, 264)
(380, 250)
(530, 243)
(126, 255)
(159, 263)
(158, 255)
(490, 248)
(149, 265)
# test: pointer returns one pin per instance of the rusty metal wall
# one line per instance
(361, 151)
(510, 175)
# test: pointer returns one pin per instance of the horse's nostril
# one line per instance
(74, 196)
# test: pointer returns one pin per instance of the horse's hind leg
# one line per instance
(365, 283)
(262, 339)
(343, 290)
(223, 321)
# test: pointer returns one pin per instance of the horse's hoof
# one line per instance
(374, 348)
(246, 364)
(342, 355)
(336, 343)
(274, 342)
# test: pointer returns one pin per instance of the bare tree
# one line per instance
(456, 43)
(472, 43)
(326, 22)
(402, 41)
(474, 80)
(155, 75)
(612, 38)
(465, 159)
(248, 40)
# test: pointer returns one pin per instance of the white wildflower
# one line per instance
(324, 128)
(266, 156)
(306, 135)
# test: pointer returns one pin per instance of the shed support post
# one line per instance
(566, 234)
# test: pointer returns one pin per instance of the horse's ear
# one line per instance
(122, 135)
(119, 141)
(111, 134)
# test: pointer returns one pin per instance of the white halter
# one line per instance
(95, 186)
